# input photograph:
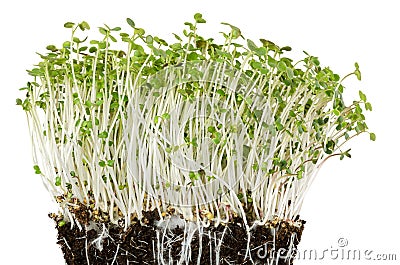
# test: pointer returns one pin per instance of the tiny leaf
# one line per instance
(372, 136)
(166, 116)
(357, 71)
(281, 66)
(130, 22)
(103, 134)
(236, 33)
(199, 18)
(69, 25)
(363, 97)
(58, 181)
(300, 175)
(37, 169)
(84, 25)
(252, 46)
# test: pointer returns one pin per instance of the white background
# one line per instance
(356, 199)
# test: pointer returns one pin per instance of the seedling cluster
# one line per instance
(209, 131)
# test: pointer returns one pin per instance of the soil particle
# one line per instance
(139, 245)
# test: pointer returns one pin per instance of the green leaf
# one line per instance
(177, 37)
(300, 175)
(18, 101)
(66, 44)
(61, 223)
(315, 61)
(139, 31)
(372, 136)
(347, 153)
(166, 116)
(264, 71)
(191, 26)
(363, 97)
(201, 44)
(357, 71)
(112, 38)
(368, 106)
(69, 25)
(58, 181)
(269, 45)
(235, 31)
(252, 46)
(246, 151)
(176, 46)
(51, 48)
(217, 140)
(279, 126)
(103, 134)
(88, 104)
(199, 18)
(110, 163)
(192, 56)
(103, 31)
(84, 25)
(102, 44)
(281, 66)
(209, 178)
(256, 65)
(160, 41)
(102, 163)
(221, 92)
(290, 73)
(37, 169)
(149, 39)
(271, 61)
(262, 51)
(76, 40)
(336, 112)
(130, 22)
(286, 48)
(193, 175)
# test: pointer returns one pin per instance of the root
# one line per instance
(175, 241)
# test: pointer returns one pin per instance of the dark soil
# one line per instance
(138, 244)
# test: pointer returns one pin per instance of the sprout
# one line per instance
(212, 130)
